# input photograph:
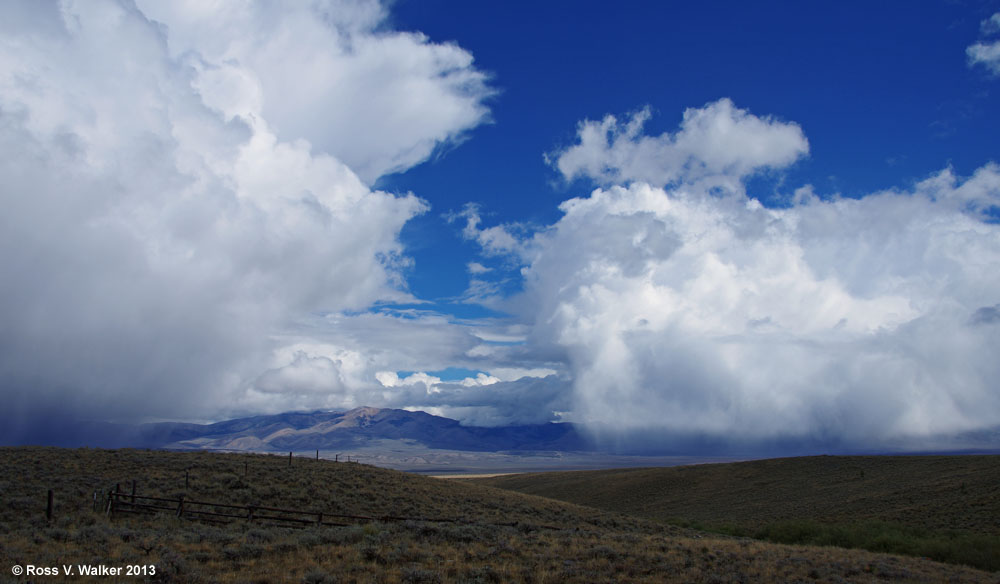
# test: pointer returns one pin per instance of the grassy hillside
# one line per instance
(941, 506)
(498, 536)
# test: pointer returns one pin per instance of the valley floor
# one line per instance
(413, 457)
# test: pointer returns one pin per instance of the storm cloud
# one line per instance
(193, 229)
(173, 206)
(686, 307)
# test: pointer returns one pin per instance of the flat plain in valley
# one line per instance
(412, 456)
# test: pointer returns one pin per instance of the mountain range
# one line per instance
(374, 429)
(326, 430)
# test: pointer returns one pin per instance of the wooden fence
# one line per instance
(119, 502)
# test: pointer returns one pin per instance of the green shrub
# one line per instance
(318, 576)
(420, 576)
(976, 550)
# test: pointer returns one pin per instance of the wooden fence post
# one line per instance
(250, 513)
(289, 459)
(317, 454)
(133, 491)
(319, 518)
(186, 477)
(180, 506)
(48, 507)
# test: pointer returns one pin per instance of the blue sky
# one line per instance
(770, 221)
(881, 90)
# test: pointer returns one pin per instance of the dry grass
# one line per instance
(582, 545)
(941, 506)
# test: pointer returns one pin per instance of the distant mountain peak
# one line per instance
(362, 417)
(364, 411)
(355, 428)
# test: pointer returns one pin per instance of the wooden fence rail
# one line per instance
(120, 502)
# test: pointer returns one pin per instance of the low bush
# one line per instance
(976, 550)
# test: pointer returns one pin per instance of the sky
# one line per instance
(671, 223)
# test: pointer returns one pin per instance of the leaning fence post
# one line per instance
(48, 507)
(180, 506)
(111, 503)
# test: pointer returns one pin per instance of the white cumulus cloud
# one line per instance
(340, 361)
(987, 52)
(327, 72)
(687, 310)
(183, 183)
(719, 143)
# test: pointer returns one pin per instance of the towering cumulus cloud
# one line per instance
(695, 310)
(181, 181)
(324, 71)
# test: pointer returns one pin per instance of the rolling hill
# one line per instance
(488, 535)
(899, 503)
